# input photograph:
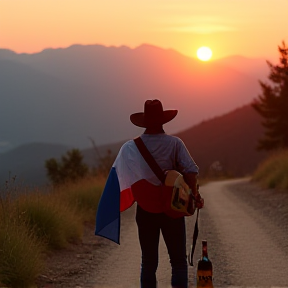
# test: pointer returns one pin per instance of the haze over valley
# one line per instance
(63, 96)
(57, 99)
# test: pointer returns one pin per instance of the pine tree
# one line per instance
(272, 104)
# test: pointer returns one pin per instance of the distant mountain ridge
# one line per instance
(67, 95)
(229, 139)
(27, 163)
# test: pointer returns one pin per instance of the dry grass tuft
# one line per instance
(34, 222)
(272, 173)
(21, 255)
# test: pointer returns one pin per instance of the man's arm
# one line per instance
(191, 180)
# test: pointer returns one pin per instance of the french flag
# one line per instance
(129, 170)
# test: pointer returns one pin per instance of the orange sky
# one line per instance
(252, 28)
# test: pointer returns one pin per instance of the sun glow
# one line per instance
(204, 53)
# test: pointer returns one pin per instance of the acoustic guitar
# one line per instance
(182, 199)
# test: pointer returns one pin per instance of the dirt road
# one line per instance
(245, 243)
(246, 229)
(247, 246)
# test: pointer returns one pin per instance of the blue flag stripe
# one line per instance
(108, 212)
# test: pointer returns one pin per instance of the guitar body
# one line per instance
(182, 199)
(166, 198)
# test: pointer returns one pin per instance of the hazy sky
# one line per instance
(253, 28)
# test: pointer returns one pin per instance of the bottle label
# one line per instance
(204, 279)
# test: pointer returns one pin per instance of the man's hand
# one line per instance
(183, 194)
(199, 201)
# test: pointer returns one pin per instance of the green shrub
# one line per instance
(21, 255)
(69, 169)
(272, 173)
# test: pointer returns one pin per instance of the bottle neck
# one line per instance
(204, 251)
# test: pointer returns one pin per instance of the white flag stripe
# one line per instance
(131, 167)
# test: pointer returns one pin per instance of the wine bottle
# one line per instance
(204, 269)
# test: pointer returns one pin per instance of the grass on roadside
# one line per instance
(53, 221)
(33, 222)
(272, 173)
(21, 255)
(84, 196)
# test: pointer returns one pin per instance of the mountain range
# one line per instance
(227, 142)
(63, 96)
(60, 99)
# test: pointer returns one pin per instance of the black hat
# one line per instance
(153, 115)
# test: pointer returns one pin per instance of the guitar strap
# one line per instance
(195, 236)
(161, 176)
(149, 159)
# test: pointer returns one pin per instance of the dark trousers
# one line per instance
(174, 235)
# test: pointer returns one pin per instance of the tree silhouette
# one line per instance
(70, 168)
(103, 163)
(272, 104)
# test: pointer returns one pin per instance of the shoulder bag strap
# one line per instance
(150, 159)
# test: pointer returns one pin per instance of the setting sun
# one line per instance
(204, 53)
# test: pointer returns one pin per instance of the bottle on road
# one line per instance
(204, 269)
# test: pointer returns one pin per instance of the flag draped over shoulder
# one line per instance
(128, 169)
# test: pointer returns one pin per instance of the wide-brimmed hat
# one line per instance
(153, 115)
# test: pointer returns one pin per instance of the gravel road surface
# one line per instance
(246, 228)
(248, 247)
(247, 241)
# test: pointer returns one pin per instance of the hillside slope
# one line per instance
(230, 139)
(27, 163)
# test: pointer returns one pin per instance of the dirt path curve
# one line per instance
(250, 247)
(243, 244)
